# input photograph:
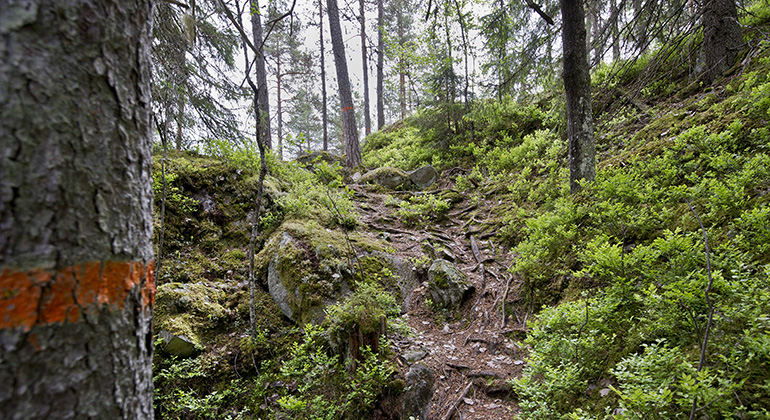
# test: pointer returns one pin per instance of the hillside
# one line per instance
(587, 306)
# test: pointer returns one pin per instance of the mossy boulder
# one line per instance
(449, 287)
(395, 274)
(189, 311)
(312, 158)
(307, 269)
(388, 177)
(423, 177)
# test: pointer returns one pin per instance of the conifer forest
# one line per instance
(385, 209)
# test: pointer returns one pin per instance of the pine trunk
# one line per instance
(577, 88)
(76, 269)
(380, 66)
(278, 103)
(263, 102)
(352, 147)
(614, 16)
(365, 61)
(324, 111)
(401, 69)
(721, 37)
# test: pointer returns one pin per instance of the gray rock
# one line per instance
(424, 177)
(275, 286)
(413, 356)
(449, 287)
(305, 272)
(418, 393)
(177, 345)
(391, 178)
(404, 274)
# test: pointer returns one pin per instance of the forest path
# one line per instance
(472, 352)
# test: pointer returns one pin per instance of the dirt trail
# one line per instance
(469, 350)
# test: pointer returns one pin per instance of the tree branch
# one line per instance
(177, 3)
(532, 5)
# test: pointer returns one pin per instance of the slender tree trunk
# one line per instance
(324, 110)
(76, 269)
(180, 99)
(590, 26)
(721, 37)
(380, 66)
(365, 61)
(263, 102)
(179, 120)
(615, 16)
(640, 25)
(163, 133)
(278, 79)
(596, 33)
(577, 87)
(401, 66)
(352, 147)
(261, 180)
(465, 56)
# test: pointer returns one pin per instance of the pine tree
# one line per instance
(76, 210)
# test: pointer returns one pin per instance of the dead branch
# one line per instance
(457, 367)
(540, 11)
(453, 407)
(505, 296)
(476, 252)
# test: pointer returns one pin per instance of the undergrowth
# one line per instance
(617, 273)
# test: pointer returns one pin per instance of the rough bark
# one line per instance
(721, 37)
(75, 210)
(577, 88)
(263, 102)
(380, 65)
(324, 110)
(352, 147)
(365, 61)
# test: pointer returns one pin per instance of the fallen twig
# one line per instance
(453, 407)
(505, 296)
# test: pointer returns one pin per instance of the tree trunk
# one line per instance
(401, 66)
(577, 88)
(179, 120)
(380, 65)
(465, 56)
(324, 111)
(352, 147)
(263, 102)
(640, 25)
(365, 61)
(76, 269)
(615, 16)
(721, 37)
(278, 77)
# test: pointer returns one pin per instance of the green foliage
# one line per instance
(402, 148)
(193, 395)
(421, 210)
(316, 196)
(363, 309)
(240, 156)
(174, 197)
(325, 390)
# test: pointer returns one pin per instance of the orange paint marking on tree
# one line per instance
(40, 297)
